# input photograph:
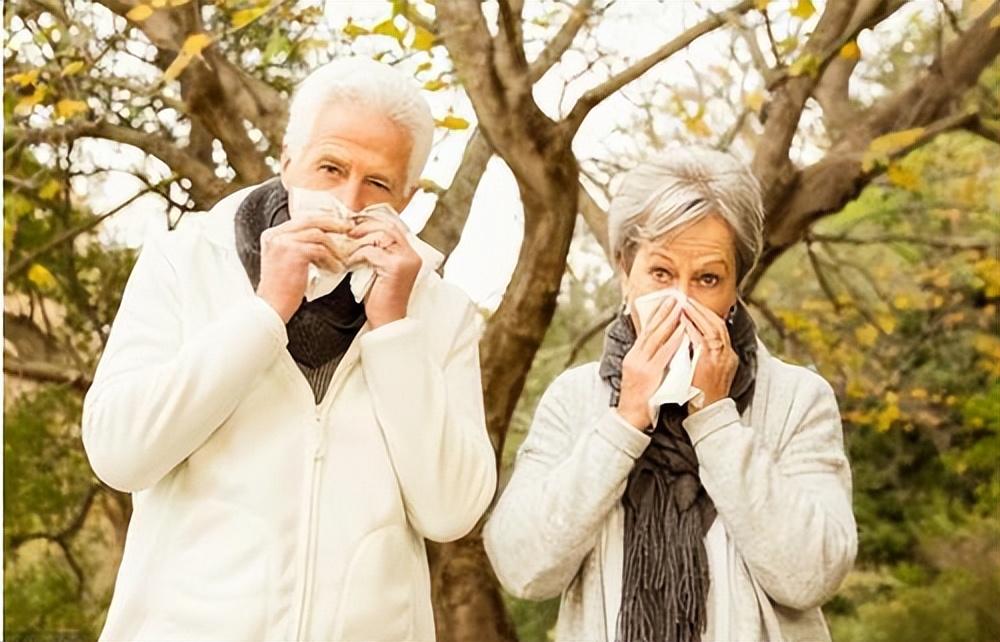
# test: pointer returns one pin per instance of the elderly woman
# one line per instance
(722, 515)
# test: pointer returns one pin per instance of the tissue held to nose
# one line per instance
(676, 386)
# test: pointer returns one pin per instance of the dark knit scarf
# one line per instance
(321, 330)
(667, 511)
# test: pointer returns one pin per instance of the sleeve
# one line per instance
(565, 482)
(790, 516)
(432, 418)
(158, 395)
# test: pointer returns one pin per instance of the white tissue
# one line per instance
(320, 282)
(676, 386)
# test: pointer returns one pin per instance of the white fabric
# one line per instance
(676, 386)
(777, 475)
(306, 202)
(257, 514)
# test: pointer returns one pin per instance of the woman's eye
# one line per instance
(709, 280)
(332, 169)
(660, 273)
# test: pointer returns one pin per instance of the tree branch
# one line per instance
(45, 372)
(206, 187)
(595, 95)
(560, 42)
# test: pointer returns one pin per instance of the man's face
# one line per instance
(358, 155)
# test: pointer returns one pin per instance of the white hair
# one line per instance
(372, 85)
(679, 187)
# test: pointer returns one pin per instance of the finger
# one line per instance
(663, 310)
(371, 226)
(379, 239)
(662, 332)
(693, 332)
(666, 352)
(707, 322)
(375, 256)
(333, 243)
(321, 223)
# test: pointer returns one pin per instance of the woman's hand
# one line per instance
(646, 361)
(718, 362)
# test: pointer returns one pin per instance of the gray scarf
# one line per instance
(667, 511)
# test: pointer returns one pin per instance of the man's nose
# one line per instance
(349, 193)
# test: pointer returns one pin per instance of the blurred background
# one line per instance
(873, 126)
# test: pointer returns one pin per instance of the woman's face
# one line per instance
(698, 259)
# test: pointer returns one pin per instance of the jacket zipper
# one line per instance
(318, 442)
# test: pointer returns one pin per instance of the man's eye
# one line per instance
(660, 273)
(381, 186)
(332, 169)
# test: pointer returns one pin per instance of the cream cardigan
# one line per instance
(784, 538)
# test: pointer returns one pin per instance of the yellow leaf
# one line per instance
(452, 122)
(139, 12)
(995, 22)
(178, 3)
(194, 43)
(50, 190)
(158, 4)
(850, 51)
(67, 108)
(760, 5)
(918, 393)
(805, 65)
(423, 40)
(243, 17)
(40, 276)
(866, 335)
(26, 104)
(177, 67)
(803, 9)
(754, 100)
(901, 302)
(351, 30)
(887, 323)
(880, 149)
(25, 79)
(73, 68)
(434, 85)
(424, 66)
(902, 177)
(388, 28)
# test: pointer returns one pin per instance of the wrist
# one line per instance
(637, 417)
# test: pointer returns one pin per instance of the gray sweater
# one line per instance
(784, 538)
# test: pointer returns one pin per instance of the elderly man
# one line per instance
(288, 455)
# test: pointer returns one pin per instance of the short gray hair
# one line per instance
(368, 84)
(681, 186)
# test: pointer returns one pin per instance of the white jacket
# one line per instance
(259, 515)
(783, 540)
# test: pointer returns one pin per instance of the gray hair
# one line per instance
(679, 187)
(372, 85)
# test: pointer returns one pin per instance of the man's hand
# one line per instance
(383, 244)
(286, 251)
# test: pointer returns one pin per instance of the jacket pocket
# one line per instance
(376, 604)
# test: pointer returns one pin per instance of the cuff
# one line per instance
(711, 418)
(621, 434)
(269, 319)
(390, 334)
